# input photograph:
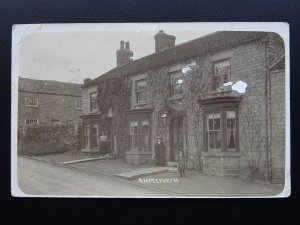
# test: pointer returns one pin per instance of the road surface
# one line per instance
(40, 178)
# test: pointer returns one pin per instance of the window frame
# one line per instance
(28, 98)
(86, 137)
(93, 102)
(139, 119)
(215, 86)
(223, 127)
(94, 137)
(213, 130)
(138, 92)
(31, 121)
(172, 86)
(133, 134)
(76, 105)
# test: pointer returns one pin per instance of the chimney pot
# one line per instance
(124, 55)
(127, 45)
(121, 44)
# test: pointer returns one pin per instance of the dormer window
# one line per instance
(221, 72)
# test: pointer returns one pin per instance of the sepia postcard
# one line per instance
(150, 110)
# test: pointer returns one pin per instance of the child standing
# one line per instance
(181, 163)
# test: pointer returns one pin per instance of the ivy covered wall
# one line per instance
(113, 102)
(247, 64)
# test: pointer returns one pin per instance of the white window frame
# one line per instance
(29, 99)
(31, 121)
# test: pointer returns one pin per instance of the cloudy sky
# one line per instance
(74, 56)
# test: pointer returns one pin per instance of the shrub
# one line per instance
(47, 137)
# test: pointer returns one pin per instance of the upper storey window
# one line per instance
(31, 102)
(141, 91)
(176, 83)
(221, 72)
(93, 101)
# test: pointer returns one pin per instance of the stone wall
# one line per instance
(50, 106)
(248, 64)
(278, 124)
(86, 104)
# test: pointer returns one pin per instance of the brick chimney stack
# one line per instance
(86, 80)
(124, 55)
(163, 41)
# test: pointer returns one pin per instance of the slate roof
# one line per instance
(209, 43)
(49, 87)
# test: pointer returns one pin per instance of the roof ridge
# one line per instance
(38, 80)
(194, 47)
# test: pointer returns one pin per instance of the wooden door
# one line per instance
(176, 137)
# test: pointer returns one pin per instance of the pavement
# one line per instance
(162, 179)
(131, 175)
(37, 178)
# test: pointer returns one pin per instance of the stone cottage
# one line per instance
(49, 101)
(190, 95)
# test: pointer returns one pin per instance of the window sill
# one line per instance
(140, 103)
(221, 154)
(214, 92)
(176, 97)
(78, 109)
(32, 106)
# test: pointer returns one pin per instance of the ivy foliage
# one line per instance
(65, 132)
(114, 98)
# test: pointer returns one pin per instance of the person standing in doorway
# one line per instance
(160, 152)
(103, 145)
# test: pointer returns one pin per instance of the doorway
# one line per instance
(176, 137)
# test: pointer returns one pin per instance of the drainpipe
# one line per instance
(267, 94)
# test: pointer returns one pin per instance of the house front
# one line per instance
(47, 101)
(212, 97)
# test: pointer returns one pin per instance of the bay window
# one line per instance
(221, 130)
(139, 133)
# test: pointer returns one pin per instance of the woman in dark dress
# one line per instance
(160, 152)
(104, 147)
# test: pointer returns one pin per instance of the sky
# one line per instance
(74, 56)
